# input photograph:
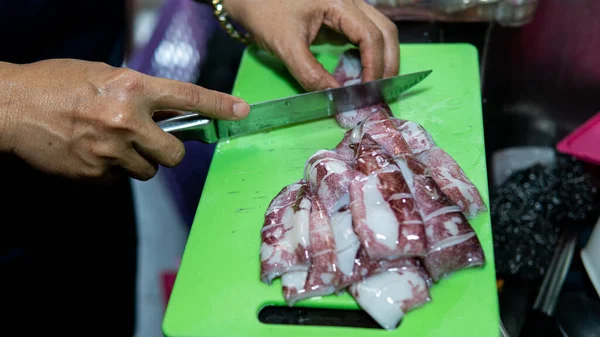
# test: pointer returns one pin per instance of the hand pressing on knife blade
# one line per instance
(90, 121)
(287, 28)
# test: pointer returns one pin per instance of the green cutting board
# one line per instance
(218, 292)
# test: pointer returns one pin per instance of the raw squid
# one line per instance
(390, 294)
(347, 246)
(328, 176)
(292, 285)
(444, 169)
(417, 138)
(349, 68)
(362, 267)
(451, 241)
(385, 214)
(452, 181)
(322, 277)
(381, 129)
(348, 72)
(285, 233)
(345, 149)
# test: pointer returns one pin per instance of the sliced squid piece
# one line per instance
(453, 181)
(349, 68)
(345, 149)
(382, 130)
(385, 214)
(352, 118)
(347, 244)
(285, 233)
(401, 264)
(292, 286)
(348, 72)
(387, 231)
(417, 138)
(452, 244)
(353, 262)
(371, 157)
(328, 176)
(366, 267)
(363, 267)
(374, 220)
(323, 277)
(389, 295)
(446, 172)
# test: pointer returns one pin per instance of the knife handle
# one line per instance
(191, 127)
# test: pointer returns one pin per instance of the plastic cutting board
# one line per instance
(218, 293)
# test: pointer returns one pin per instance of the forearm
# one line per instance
(8, 105)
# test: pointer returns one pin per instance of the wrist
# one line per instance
(227, 10)
(9, 111)
(234, 9)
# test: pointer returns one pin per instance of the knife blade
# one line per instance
(291, 110)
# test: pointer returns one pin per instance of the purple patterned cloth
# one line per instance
(177, 50)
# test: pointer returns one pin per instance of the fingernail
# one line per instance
(241, 109)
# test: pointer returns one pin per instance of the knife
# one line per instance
(292, 110)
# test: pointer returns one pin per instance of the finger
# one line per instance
(391, 51)
(137, 166)
(329, 36)
(159, 146)
(180, 96)
(349, 19)
(305, 68)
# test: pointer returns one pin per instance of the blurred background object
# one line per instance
(504, 12)
(175, 39)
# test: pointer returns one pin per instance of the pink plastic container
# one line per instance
(584, 142)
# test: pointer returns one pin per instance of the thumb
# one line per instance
(305, 68)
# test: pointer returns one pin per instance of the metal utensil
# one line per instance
(503, 332)
(540, 321)
(292, 110)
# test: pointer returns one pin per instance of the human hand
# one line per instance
(287, 28)
(87, 120)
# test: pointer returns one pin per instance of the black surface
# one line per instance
(538, 324)
(71, 255)
(528, 210)
(578, 314)
(40, 29)
(316, 317)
